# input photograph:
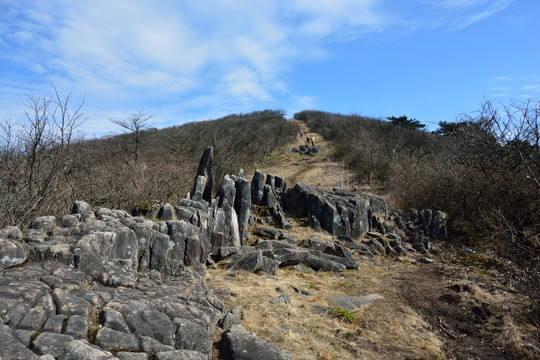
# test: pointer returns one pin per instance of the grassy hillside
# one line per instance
(46, 168)
(482, 170)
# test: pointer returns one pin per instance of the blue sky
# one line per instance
(186, 61)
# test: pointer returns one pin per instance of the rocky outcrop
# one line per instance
(267, 255)
(99, 281)
(338, 212)
(55, 309)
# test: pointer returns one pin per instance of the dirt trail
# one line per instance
(318, 169)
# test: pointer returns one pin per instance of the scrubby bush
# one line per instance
(45, 167)
(483, 170)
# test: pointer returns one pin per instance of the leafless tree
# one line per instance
(134, 124)
(38, 157)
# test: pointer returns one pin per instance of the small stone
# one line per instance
(300, 291)
(426, 260)
(281, 299)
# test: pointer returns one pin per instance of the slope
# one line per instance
(419, 307)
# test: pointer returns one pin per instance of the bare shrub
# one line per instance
(483, 170)
(39, 158)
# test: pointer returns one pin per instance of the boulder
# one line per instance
(11, 233)
(241, 345)
(12, 253)
(80, 207)
(192, 336)
(439, 226)
(226, 193)
(253, 262)
(45, 223)
(51, 344)
(166, 212)
(109, 339)
(198, 188)
(339, 212)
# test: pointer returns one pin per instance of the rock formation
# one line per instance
(101, 283)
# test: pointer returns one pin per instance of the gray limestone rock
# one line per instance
(11, 348)
(232, 317)
(77, 327)
(162, 328)
(257, 187)
(69, 304)
(353, 302)
(51, 344)
(45, 223)
(268, 233)
(439, 226)
(281, 299)
(33, 319)
(226, 193)
(319, 263)
(339, 212)
(166, 212)
(80, 207)
(11, 233)
(152, 346)
(192, 336)
(109, 339)
(205, 169)
(325, 246)
(198, 188)
(241, 345)
(113, 319)
(12, 253)
(253, 262)
(82, 350)
(54, 324)
(242, 205)
(181, 355)
(270, 198)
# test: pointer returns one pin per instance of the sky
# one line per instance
(182, 61)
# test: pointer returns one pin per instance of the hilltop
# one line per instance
(187, 279)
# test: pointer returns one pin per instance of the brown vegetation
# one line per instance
(45, 165)
(483, 170)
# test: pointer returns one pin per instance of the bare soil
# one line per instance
(453, 308)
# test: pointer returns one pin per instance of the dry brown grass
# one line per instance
(410, 322)
(315, 170)
(387, 328)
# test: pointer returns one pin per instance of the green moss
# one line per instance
(34, 336)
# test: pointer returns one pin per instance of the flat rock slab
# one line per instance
(239, 344)
(353, 302)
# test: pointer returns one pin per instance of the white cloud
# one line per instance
(535, 88)
(208, 54)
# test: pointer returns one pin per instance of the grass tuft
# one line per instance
(346, 316)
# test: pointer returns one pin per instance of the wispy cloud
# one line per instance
(457, 14)
(535, 88)
(210, 54)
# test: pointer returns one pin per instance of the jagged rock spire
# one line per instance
(204, 181)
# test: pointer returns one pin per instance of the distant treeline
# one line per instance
(45, 165)
(483, 170)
